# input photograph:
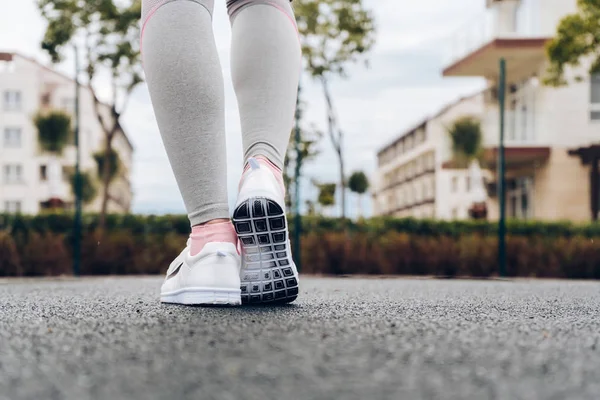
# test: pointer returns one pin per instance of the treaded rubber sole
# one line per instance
(202, 296)
(267, 274)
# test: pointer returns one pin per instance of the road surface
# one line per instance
(347, 338)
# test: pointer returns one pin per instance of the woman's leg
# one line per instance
(265, 67)
(265, 63)
(186, 87)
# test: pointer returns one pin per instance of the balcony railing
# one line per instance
(479, 31)
(520, 129)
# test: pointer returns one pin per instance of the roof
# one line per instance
(424, 122)
(8, 56)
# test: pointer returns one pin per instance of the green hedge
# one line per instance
(178, 224)
(41, 246)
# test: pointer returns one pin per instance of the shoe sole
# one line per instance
(267, 275)
(202, 296)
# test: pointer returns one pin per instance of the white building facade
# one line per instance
(544, 126)
(26, 183)
(412, 180)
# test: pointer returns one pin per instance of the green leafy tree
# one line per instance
(359, 184)
(467, 138)
(326, 196)
(113, 168)
(89, 191)
(467, 150)
(577, 39)
(334, 34)
(309, 138)
(108, 31)
(54, 131)
(310, 207)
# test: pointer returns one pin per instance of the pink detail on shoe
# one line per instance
(210, 233)
(274, 169)
(264, 161)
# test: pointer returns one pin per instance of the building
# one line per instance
(549, 132)
(27, 87)
(411, 180)
(542, 123)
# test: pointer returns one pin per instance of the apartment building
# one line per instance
(551, 134)
(411, 180)
(26, 173)
(545, 126)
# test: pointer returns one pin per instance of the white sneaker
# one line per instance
(268, 272)
(209, 277)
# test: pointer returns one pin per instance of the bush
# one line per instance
(41, 245)
(45, 255)
(10, 263)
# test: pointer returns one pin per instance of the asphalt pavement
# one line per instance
(345, 338)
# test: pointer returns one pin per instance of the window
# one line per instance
(43, 173)
(519, 197)
(454, 184)
(12, 138)
(12, 206)
(66, 172)
(68, 104)
(12, 100)
(468, 183)
(408, 145)
(7, 66)
(418, 137)
(430, 162)
(13, 173)
(595, 97)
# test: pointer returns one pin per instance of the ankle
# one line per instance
(213, 222)
(269, 165)
(219, 230)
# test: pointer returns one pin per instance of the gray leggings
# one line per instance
(186, 87)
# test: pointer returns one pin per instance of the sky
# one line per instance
(401, 86)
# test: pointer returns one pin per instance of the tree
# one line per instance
(577, 38)
(359, 184)
(310, 207)
(467, 149)
(326, 196)
(334, 33)
(465, 134)
(114, 165)
(54, 132)
(309, 137)
(89, 191)
(109, 32)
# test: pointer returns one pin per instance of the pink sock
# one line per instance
(264, 161)
(219, 232)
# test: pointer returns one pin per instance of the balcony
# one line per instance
(523, 146)
(476, 48)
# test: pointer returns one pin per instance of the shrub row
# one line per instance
(47, 254)
(178, 224)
